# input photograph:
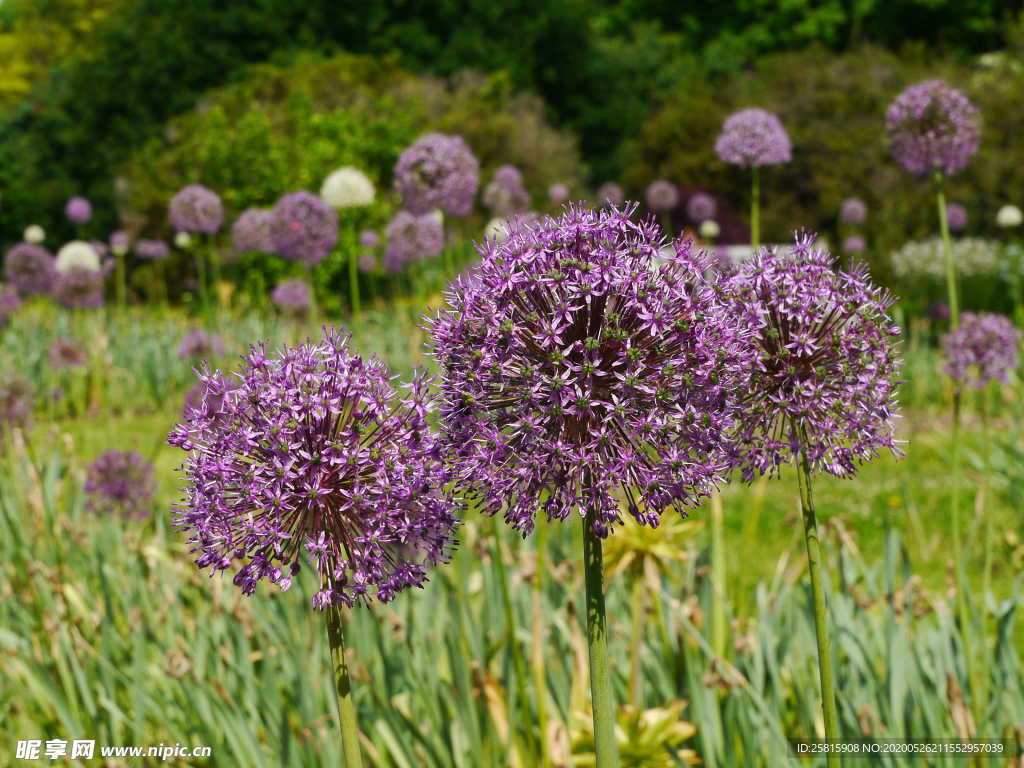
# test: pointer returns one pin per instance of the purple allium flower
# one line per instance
(506, 194)
(9, 304)
(412, 238)
(956, 217)
(933, 127)
(854, 244)
(200, 344)
(661, 195)
(206, 398)
(29, 268)
(78, 210)
(120, 242)
(316, 452)
(824, 383)
(79, 287)
(610, 193)
(152, 250)
(369, 238)
(303, 228)
(438, 171)
(17, 398)
(580, 367)
(700, 207)
(120, 482)
(196, 209)
(251, 231)
(292, 296)
(752, 138)
(66, 353)
(853, 210)
(938, 311)
(367, 261)
(983, 347)
(558, 193)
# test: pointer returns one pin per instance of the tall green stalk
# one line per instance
(828, 694)
(605, 749)
(204, 292)
(755, 208)
(947, 249)
(343, 691)
(539, 675)
(353, 275)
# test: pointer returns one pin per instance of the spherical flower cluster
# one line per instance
(581, 366)
(506, 194)
(369, 238)
(152, 250)
(438, 171)
(292, 296)
(251, 231)
(9, 304)
(79, 287)
(182, 240)
(709, 229)
(700, 207)
(853, 211)
(938, 311)
(77, 253)
(66, 353)
(29, 269)
(34, 234)
(316, 453)
(854, 244)
(78, 210)
(120, 482)
(199, 343)
(661, 195)
(823, 385)
(411, 238)
(1008, 216)
(347, 187)
(17, 397)
(120, 242)
(956, 217)
(933, 127)
(752, 138)
(983, 347)
(610, 193)
(303, 228)
(558, 193)
(196, 209)
(923, 258)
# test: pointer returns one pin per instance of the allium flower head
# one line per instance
(196, 209)
(369, 238)
(824, 382)
(661, 195)
(853, 210)
(1008, 216)
(438, 171)
(558, 193)
(182, 240)
(152, 250)
(581, 367)
(29, 268)
(709, 229)
(752, 138)
(79, 287)
(412, 238)
(983, 347)
(506, 194)
(66, 353)
(292, 296)
(938, 311)
(9, 304)
(120, 242)
(199, 343)
(700, 207)
(78, 210)
(303, 228)
(347, 188)
(933, 127)
(34, 234)
(610, 193)
(77, 253)
(316, 453)
(251, 231)
(17, 397)
(120, 482)
(854, 244)
(956, 217)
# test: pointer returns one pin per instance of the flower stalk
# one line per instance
(755, 208)
(606, 750)
(343, 690)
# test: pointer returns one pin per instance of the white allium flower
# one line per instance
(924, 258)
(77, 253)
(709, 229)
(36, 234)
(1008, 216)
(347, 188)
(182, 240)
(496, 229)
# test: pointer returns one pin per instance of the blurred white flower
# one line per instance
(182, 240)
(437, 215)
(1008, 216)
(36, 234)
(709, 229)
(78, 253)
(924, 258)
(347, 188)
(496, 229)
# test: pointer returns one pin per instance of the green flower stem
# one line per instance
(214, 271)
(204, 295)
(605, 748)
(314, 306)
(343, 690)
(353, 275)
(718, 576)
(755, 208)
(947, 248)
(539, 674)
(828, 694)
